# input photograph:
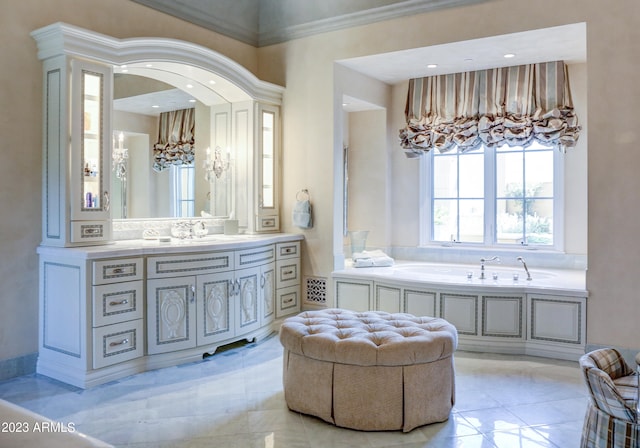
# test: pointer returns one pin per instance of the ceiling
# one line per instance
(566, 42)
(562, 43)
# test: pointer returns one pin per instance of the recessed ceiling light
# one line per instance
(432, 65)
(509, 55)
(155, 106)
(149, 65)
(211, 81)
(189, 86)
(192, 101)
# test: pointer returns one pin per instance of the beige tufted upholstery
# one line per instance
(369, 371)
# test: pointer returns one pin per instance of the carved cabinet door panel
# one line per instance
(215, 314)
(171, 314)
(247, 297)
(268, 293)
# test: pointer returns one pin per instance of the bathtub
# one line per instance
(497, 277)
(502, 313)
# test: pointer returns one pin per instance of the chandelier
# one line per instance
(119, 157)
(216, 166)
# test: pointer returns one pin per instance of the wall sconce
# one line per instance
(215, 166)
(119, 156)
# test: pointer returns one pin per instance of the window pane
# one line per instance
(471, 220)
(539, 221)
(445, 220)
(445, 176)
(471, 175)
(509, 180)
(539, 173)
(510, 223)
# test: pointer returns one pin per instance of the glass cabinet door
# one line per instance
(92, 171)
(91, 141)
(268, 160)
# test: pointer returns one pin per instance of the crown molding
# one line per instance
(365, 17)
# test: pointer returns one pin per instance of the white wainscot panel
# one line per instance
(420, 303)
(557, 320)
(502, 316)
(461, 311)
(353, 295)
(63, 308)
(388, 298)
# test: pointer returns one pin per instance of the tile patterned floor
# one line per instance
(234, 399)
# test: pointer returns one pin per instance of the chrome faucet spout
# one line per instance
(483, 261)
(524, 264)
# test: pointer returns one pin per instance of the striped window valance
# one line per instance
(508, 105)
(175, 145)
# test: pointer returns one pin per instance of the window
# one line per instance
(505, 196)
(182, 191)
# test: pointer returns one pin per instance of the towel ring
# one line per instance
(302, 195)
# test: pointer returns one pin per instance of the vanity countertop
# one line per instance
(129, 248)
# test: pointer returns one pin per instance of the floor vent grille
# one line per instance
(316, 290)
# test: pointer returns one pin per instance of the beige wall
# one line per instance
(306, 67)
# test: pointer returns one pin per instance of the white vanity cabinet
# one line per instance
(76, 152)
(201, 300)
(288, 278)
(117, 311)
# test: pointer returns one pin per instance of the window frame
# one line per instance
(178, 196)
(425, 198)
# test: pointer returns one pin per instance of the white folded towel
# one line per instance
(371, 258)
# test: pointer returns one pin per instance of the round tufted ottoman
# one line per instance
(371, 371)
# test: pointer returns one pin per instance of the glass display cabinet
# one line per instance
(76, 189)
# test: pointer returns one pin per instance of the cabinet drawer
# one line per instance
(288, 250)
(117, 270)
(193, 264)
(255, 257)
(287, 301)
(117, 343)
(288, 273)
(117, 302)
(90, 232)
(267, 223)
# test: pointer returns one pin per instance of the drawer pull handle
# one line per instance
(121, 302)
(91, 231)
(288, 250)
(288, 301)
(288, 272)
(118, 270)
(123, 342)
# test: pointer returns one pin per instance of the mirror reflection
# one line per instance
(195, 178)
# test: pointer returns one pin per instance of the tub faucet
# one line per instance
(483, 261)
(520, 259)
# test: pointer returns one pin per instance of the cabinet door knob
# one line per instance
(193, 293)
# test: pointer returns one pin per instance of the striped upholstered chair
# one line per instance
(612, 414)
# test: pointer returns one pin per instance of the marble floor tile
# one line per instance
(234, 399)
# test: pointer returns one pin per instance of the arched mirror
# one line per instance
(200, 186)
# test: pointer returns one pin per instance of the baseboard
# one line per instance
(22, 365)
